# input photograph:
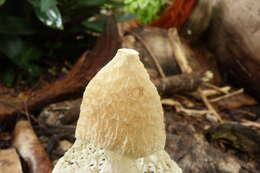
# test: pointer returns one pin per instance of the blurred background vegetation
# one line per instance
(38, 36)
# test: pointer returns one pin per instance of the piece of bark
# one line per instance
(74, 83)
(10, 162)
(30, 148)
(178, 83)
(234, 37)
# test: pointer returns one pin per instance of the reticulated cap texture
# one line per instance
(121, 109)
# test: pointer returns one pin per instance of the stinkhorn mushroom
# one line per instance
(121, 125)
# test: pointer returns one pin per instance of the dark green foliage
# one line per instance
(34, 33)
(95, 25)
(13, 25)
(15, 48)
(92, 3)
(8, 76)
(2, 2)
(48, 13)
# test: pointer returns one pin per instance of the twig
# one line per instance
(210, 92)
(209, 106)
(180, 108)
(192, 112)
(213, 92)
(250, 124)
(223, 90)
(227, 95)
(156, 62)
(170, 102)
(178, 51)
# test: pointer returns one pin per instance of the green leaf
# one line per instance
(8, 76)
(48, 13)
(96, 25)
(116, 4)
(50, 17)
(11, 46)
(125, 16)
(2, 2)
(33, 69)
(15, 25)
(21, 53)
(91, 2)
(47, 4)
(25, 60)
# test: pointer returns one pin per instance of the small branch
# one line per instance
(227, 95)
(250, 124)
(179, 83)
(178, 51)
(209, 106)
(180, 108)
(30, 148)
(223, 90)
(171, 102)
(211, 92)
(156, 62)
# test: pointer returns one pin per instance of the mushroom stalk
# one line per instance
(121, 124)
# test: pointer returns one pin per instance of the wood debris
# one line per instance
(178, 51)
(9, 161)
(30, 148)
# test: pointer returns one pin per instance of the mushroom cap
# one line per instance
(121, 109)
